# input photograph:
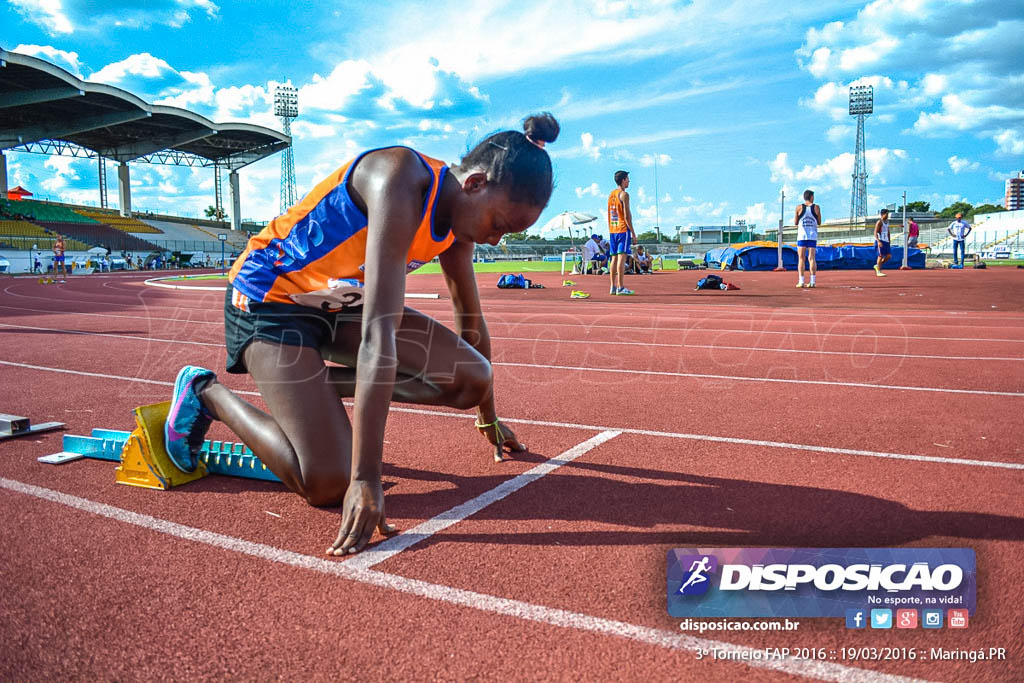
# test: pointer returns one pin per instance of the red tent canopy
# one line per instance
(16, 194)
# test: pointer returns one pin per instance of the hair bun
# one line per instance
(541, 127)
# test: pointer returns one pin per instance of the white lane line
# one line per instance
(826, 671)
(391, 547)
(640, 327)
(634, 328)
(576, 368)
(733, 440)
(741, 378)
(596, 428)
(749, 348)
(556, 341)
(636, 306)
(111, 335)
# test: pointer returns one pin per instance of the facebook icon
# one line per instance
(856, 618)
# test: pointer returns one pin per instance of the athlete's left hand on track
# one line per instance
(501, 437)
(362, 511)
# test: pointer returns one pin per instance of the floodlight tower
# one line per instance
(862, 103)
(286, 106)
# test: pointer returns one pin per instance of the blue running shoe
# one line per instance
(188, 421)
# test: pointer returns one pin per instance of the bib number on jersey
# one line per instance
(337, 296)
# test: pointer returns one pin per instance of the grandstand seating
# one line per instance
(21, 228)
(41, 211)
(235, 240)
(116, 220)
(98, 234)
(184, 232)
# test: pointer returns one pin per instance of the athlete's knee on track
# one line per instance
(471, 386)
(325, 489)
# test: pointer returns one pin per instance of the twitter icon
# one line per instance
(881, 618)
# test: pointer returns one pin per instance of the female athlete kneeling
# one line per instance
(326, 282)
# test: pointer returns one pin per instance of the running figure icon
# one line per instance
(697, 573)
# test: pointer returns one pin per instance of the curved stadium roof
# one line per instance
(41, 103)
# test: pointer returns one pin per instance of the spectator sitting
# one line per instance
(593, 254)
(642, 260)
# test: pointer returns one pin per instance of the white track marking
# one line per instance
(561, 341)
(748, 348)
(517, 609)
(741, 378)
(396, 544)
(111, 335)
(689, 311)
(596, 428)
(635, 328)
(576, 368)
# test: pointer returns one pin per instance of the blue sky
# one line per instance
(731, 101)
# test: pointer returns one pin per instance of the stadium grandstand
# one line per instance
(47, 110)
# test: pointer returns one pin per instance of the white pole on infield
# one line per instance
(782, 221)
(906, 236)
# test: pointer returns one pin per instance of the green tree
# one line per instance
(956, 207)
(212, 212)
(918, 206)
(986, 208)
(649, 236)
(516, 236)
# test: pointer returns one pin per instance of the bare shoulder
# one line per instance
(389, 167)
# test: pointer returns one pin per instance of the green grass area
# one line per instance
(1003, 262)
(193, 278)
(496, 267)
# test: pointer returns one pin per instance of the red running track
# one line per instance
(562, 579)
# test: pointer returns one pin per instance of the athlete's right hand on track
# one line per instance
(362, 511)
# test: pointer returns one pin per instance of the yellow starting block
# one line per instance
(46, 281)
(144, 459)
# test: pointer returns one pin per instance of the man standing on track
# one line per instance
(58, 258)
(620, 232)
(882, 241)
(808, 218)
(913, 231)
(959, 230)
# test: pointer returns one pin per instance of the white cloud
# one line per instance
(593, 190)
(591, 149)
(960, 165)
(840, 134)
(952, 62)
(142, 64)
(957, 115)
(650, 159)
(834, 173)
(66, 60)
(330, 92)
(759, 215)
(63, 172)
(49, 14)
(1011, 142)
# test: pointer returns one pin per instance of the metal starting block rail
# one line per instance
(16, 425)
(220, 457)
(144, 459)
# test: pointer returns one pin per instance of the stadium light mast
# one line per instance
(286, 107)
(862, 103)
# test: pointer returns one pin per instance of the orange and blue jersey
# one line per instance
(616, 213)
(315, 254)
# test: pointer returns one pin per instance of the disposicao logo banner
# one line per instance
(816, 582)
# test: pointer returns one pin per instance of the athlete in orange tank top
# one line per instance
(292, 305)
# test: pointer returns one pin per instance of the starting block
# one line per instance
(144, 459)
(47, 281)
(16, 425)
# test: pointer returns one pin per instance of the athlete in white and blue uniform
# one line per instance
(882, 241)
(808, 218)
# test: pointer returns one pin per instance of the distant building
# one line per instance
(1015, 192)
(717, 234)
